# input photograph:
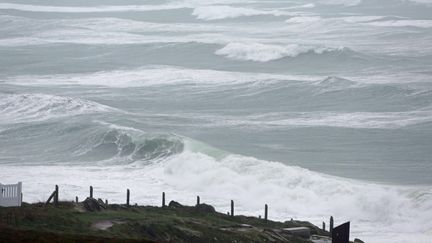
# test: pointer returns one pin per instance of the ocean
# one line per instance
(317, 108)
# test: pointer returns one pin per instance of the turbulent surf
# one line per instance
(316, 108)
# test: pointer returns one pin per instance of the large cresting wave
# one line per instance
(291, 192)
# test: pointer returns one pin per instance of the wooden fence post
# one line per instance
(266, 212)
(323, 226)
(198, 200)
(163, 199)
(91, 192)
(56, 196)
(76, 199)
(127, 197)
(50, 197)
(19, 194)
(106, 201)
(331, 224)
(232, 208)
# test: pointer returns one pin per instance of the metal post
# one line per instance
(76, 199)
(127, 197)
(232, 208)
(266, 212)
(163, 199)
(198, 200)
(91, 192)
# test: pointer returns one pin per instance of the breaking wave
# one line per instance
(94, 9)
(335, 20)
(122, 144)
(228, 12)
(403, 23)
(265, 52)
(86, 141)
(153, 76)
(38, 107)
(290, 192)
(357, 120)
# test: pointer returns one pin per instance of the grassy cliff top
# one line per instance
(70, 222)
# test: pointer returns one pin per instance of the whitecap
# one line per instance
(403, 23)
(93, 9)
(291, 192)
(38, 107)
(259, 52)
(154, 76)
(228, 12)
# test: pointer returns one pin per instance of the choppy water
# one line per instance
(317, 108)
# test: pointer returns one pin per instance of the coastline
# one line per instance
(93, 221)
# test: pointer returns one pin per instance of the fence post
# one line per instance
(323, 226)
(163, 199)
(198, 200)
(56, 196)
(127, 197)
(91, 192)
(331, 224)
(50, 197)
(19, 192)
(266, 212)
(106, 201)
(232, 208)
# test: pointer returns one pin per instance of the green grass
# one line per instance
(40, 223)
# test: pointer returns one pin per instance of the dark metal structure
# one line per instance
(341, 233)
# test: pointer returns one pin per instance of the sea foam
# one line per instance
(228, 12)
(38, 107)
(94, 9)
(154, 76)
(259, 52)
(290, 192)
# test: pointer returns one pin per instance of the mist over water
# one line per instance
(316, 108)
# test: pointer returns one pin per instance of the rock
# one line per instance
(358, 241)
(303, 232)
(102, 225)
(91, 205)
(174, 204)
(205, 208)
(106, 224)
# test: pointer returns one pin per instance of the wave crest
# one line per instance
(38, 107)
(131, 145)
(92, 9)
(258, 52)
(228, 12)
(154, 76)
